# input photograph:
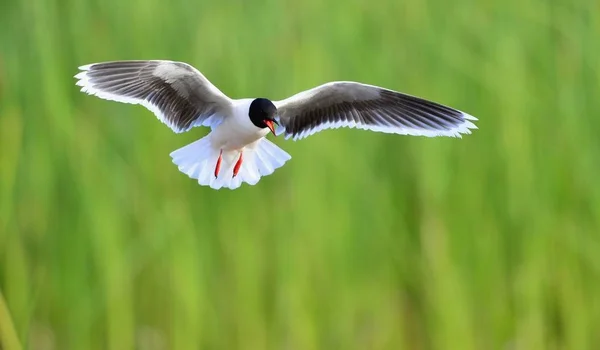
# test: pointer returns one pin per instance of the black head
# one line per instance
(262, 113)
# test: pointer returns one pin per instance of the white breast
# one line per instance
(237, 130)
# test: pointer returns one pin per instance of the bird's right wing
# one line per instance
(355, 105)
(177, 93)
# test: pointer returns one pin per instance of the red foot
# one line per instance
(238, 165)
(218, 166)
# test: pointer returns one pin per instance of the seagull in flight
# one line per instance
(236, 150)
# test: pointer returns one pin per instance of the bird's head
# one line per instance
(262, 113)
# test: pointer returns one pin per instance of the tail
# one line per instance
(198, 160)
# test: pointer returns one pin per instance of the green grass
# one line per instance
(363, 240)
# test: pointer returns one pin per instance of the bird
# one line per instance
(236, 150)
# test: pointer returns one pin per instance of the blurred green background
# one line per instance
(362, 240)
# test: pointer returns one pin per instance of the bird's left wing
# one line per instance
(177, 93)
(356, 105)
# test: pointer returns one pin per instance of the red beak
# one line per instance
(270, 126)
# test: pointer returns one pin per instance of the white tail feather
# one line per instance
(198, 160)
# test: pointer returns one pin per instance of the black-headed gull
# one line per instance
(236, 150)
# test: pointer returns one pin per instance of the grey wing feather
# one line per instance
(177, 93)
(356, 105)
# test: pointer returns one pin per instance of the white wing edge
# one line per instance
(457, 131)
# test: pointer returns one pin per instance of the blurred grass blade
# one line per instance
(8, 335)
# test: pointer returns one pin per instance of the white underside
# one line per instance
(457, 131)
(198, 160)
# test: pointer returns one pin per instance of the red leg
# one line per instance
(218, 166)
(238, 165)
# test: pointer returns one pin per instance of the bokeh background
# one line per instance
(362, 240)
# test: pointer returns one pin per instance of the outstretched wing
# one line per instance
(355, 105)
(177, 93)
